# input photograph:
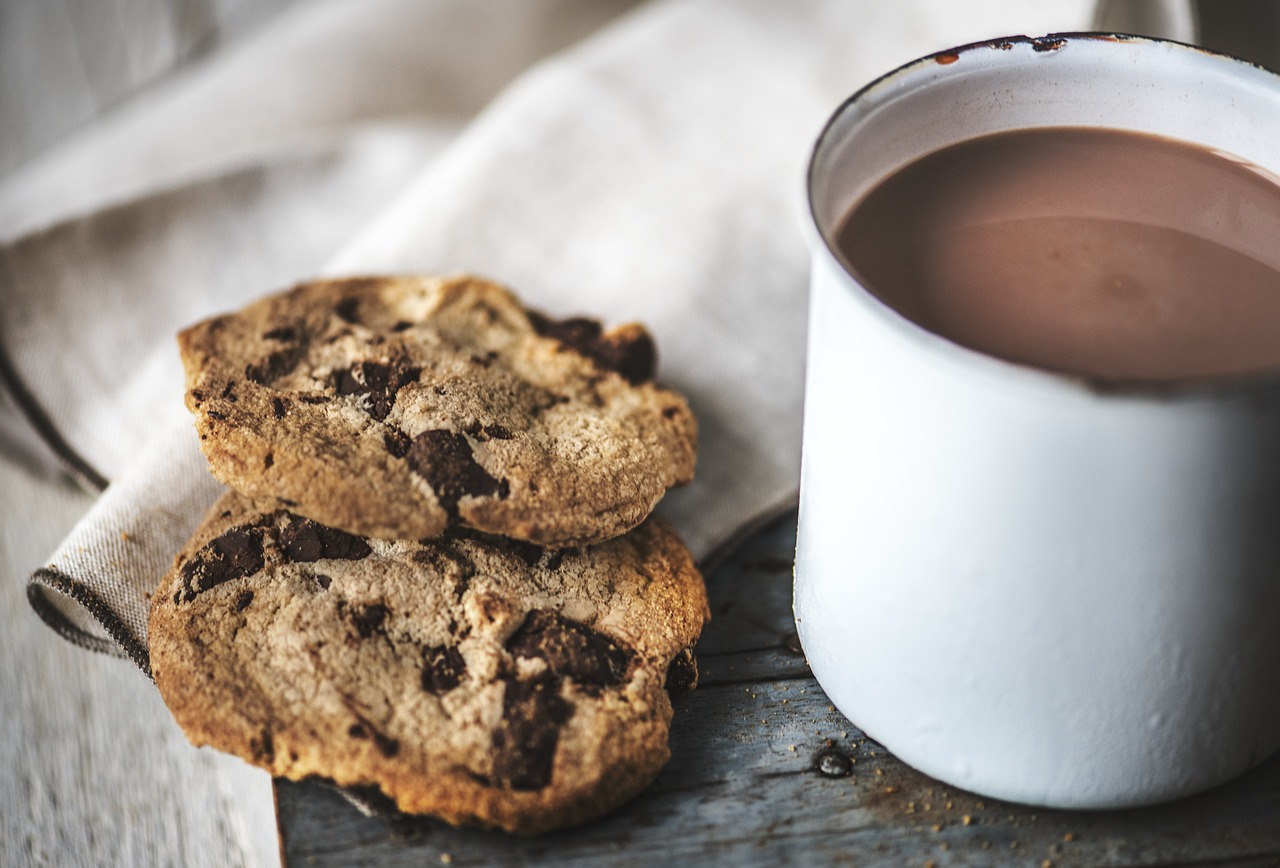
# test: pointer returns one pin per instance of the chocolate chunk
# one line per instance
(304, 541)
(348, 382)
(277, 408)
(444, 459)
(488, 432)
(442, 670)
(577, 332)
(571, 649)
(323, 581)
(401, 325)
(301, 542)
(235, 554)
(376, 382)
(682, 674)
(243, 601)
(397, 442)
(348, 310)
(388, 746)
(631, 355)
(281, 333)
(634, 357)
(369, 619)
(525, 740)
(275, 365)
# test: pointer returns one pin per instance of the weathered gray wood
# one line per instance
(746, 785)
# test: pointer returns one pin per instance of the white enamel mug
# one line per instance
(1020, 584)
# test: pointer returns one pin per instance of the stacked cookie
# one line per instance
(435, 576)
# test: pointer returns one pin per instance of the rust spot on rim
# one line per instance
(946, 58)
(1048, 44)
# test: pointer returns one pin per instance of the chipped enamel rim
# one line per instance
(923, 73)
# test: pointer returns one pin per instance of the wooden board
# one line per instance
(764, 771)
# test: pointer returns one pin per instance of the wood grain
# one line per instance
(764, 771)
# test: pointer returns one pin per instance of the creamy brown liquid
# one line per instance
(1111, 254)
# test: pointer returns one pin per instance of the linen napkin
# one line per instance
(653, 172)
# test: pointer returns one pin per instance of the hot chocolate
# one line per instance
(1112, 254)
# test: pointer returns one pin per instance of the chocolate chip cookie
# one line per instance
(399, 407)
(477, 679)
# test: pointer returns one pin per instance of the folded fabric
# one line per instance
(652, 173)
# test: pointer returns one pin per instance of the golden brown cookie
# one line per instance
(476, 679)
(398, 407)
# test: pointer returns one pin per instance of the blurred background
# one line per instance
(62, 64)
